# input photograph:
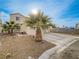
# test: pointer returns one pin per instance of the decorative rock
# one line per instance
(29, 57)
(8, 55)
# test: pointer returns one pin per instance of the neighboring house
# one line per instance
(20, 19)
(77, 26)
(17, 17)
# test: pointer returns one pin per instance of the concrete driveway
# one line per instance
(62, 41)
(59, 39)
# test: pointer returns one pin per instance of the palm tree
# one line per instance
(9, 27)
(39, 22)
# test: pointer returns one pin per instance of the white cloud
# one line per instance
(4, 16)
(57, 8)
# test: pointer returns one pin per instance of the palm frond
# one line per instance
(38, 20)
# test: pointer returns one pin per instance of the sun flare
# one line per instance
(35, 11)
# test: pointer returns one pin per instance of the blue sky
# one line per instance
(62, 12)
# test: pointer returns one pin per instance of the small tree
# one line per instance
(10, 27)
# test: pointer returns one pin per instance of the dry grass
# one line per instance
(22, 47)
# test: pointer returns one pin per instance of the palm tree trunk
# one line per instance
(38, 34)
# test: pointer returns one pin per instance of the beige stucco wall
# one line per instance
(21, 20)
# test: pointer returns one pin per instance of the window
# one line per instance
(17, 18)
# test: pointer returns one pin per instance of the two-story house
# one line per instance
(20, 19)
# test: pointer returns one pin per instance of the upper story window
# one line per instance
(17, 18)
